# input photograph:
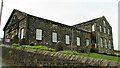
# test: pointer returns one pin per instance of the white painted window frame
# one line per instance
(38, 34)
(93, 27)
(108, 31)
(87, 42)
(109, 44)
(104, 23)
(78, 41)
(67, 39)
(104, 30)
(54, 37)
(105, 42)
(100, 28)
(22, 33)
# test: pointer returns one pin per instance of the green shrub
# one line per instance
(23, 41)
(59, 46)
(95, 50)
(14, 44)
(15, 39)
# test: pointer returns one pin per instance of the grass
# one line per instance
(106, 57)
(14, 44)
(38, 47)
(69, 52)
(34, 47)
(93, 55)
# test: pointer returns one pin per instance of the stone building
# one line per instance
(45, 32)
(101, 33)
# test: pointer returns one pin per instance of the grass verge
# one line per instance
(34, 47)
(93, 55)
(38, 47)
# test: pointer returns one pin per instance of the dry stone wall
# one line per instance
(32, 57)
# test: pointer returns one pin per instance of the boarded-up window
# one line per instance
(87, 42)
(67, 39)
(78, 41)
(22, 33)
(101, 42)
(54, 37)
(38, 34)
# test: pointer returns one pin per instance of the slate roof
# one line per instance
(53, 22)
(90, 21)
(8, 20)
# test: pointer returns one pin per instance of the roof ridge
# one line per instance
(88, 21)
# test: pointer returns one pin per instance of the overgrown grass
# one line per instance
(93, 55)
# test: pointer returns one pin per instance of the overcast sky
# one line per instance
(69, 12)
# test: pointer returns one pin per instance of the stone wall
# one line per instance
(32, 57)
(97, 35)
(48, 27)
